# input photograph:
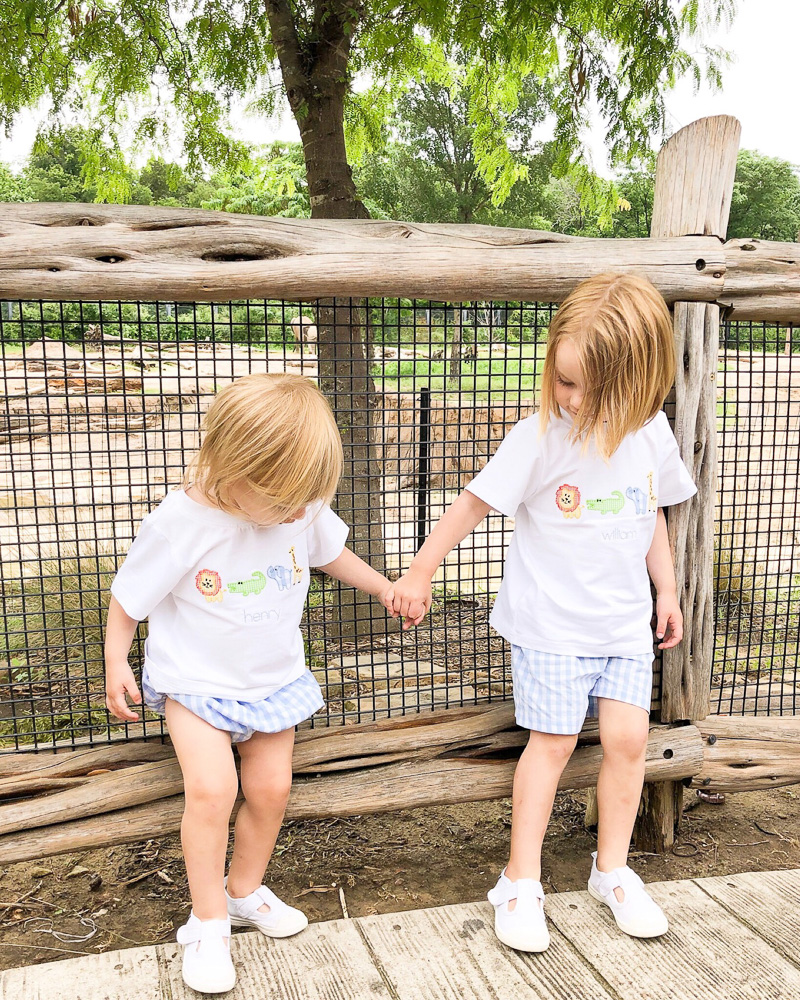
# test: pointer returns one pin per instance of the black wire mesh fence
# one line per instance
(101, 409)
(757, 576)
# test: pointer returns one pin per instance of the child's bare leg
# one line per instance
(535, 784)
(211, 786)
(623, 734)
(266, 783)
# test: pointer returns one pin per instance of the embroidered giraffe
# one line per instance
(297, 571)
(652, 499)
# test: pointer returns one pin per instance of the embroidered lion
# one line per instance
(209, 583)
(568, 500)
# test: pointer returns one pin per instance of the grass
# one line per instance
(53, 679)
(482, 377)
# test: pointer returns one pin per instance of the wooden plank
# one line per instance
(451, 953)
(145, 254)
(131, 974)
(328, 960)
(707, 953)
(763, 901)
(673, 753)
(743, 754)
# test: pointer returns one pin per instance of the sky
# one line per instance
(759, 88)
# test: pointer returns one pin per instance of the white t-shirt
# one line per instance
(224, 596)
(575, 578)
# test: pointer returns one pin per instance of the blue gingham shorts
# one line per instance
(554, 692)
(283, 709)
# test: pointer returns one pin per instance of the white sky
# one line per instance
(759, 88)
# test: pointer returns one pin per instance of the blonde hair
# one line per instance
(622, 332)
(274, 434)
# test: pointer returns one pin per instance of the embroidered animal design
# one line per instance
(652, 499)
(282, 575)
(254, 585)
(568, 500)
(209, 583)
(297, 571)
(638, 497)
(608, 505)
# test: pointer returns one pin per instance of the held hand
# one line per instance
(386, 597)
(119, 681)
(412, 597)
(669, 620)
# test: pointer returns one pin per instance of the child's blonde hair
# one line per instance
(274, 434)
(622, 332)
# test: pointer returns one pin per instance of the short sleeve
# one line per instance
(150, 572)
(327, 534)
(675, 484)
(511, 475)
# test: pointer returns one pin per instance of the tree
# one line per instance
(112, 59)
(766, 199)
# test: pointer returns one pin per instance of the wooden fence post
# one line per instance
(693, 188)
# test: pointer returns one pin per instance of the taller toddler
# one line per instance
(586, 480)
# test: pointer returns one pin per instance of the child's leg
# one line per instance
(266, 782)
(623, 734)
(211, 786)
(535, 784)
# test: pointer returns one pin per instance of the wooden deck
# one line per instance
(731, 938)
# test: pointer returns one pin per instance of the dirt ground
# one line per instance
(120, 897)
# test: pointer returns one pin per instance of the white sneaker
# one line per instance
(207, 965)
(524, 928)
(638, 914)
(279, 921)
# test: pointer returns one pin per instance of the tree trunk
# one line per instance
(316, 79)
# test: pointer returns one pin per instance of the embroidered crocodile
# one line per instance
(254, 585)
(608, 505)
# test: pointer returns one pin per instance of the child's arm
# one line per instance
(412, 593)
(669, 619)
(120, 630)
(352, 570)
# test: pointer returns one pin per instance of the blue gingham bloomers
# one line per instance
(283, 709)
(552, 691)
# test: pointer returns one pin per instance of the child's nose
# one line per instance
(576, 399)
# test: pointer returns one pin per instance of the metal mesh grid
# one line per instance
(757, 576)
(101, 408)
(102, 403)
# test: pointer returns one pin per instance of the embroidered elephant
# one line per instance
(254, 585)
(639, 498)
(608, 505)
(282, 575)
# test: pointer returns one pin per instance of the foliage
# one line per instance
(166, 68)
(272, 182)
(766, 199)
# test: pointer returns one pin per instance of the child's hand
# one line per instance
(412, 597)
(386, 597)
(119, 681)
(669, 620)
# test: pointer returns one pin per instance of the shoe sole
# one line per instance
(626, 929)
(512, 942)
(200, 988)
(273, 932)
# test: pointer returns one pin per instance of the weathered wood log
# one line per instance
(673, 753)
(762, 281)
(693, 188)
(69, 763)
(743, 754)
(686, 669)
(191, 258)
